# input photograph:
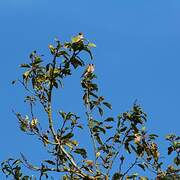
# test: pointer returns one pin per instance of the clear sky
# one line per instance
(137, 57)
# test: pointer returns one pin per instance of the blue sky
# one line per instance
(137, 57)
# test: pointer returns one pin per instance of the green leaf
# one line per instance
(76, 62)
(68, 136)
(153, 135)
(99, 128)
(81, 151)
(140, 150)
(80, 126)
(26, 178)
(23, 125)
(126, 145)
(143, 129)
(52, 49)
(107, 105)
(50, 162)
(26, 75)
(94, 95)
(98, 139)
(136, 130)
(123, 129)
(62, 53)
(88, 50)
(91, 105)
(109, 119)
(94, 87)
(100, 111)
(13, 82)
(63, 114)
(119, 123)
(48, 66)
(55, 84)
(170, 150)
(133, 148)
(132, 176)
(129, 138)
(141, 166)
(16, 162)
(109, 139)
(25, 66)
(143, 178)
(117, 176)
(87, 169)
(108, 127)
(170, 136)
(37, 60)
(177, 161)
(91, 45)
(119, 117)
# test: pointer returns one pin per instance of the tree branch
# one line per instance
(132, 165)
(89, 116)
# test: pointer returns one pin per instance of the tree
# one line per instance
(113, 140)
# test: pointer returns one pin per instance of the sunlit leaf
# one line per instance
(143, 178)
(91, 45)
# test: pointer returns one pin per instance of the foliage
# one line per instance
(113, 138)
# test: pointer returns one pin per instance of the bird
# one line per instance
(89, 70)
(78, 39)
(81, 36)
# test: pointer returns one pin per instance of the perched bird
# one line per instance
(79, 38)
(89, 70)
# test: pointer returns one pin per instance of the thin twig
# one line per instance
(120, 166)
(117, 152)
(89, 115)
(130, 167)
(49, 110)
